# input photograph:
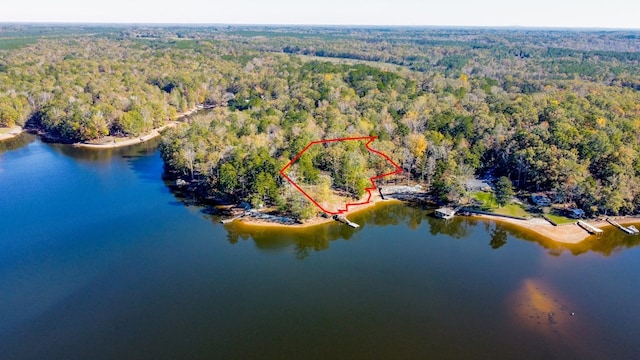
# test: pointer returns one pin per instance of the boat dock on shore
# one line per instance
(589, 228)
(629, 230)
(226, 221)
(446, 212)
(343, 219)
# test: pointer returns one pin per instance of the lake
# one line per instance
(100, 260)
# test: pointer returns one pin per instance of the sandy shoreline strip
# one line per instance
(565, 234)
(318, 220)
(127, 141)
(11, 133)
(121, 142)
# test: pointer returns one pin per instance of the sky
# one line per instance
(483, 13)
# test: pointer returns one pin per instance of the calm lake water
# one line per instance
(99, 260)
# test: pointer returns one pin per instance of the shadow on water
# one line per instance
(17, 142)
(105, 155)
(139, 157)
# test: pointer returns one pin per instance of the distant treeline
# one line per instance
(551, 110)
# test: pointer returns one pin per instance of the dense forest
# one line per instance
(551, 110)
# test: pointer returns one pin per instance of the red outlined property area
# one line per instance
(345, 208)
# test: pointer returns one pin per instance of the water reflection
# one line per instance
(395, 214)
(498, 237)
(17, 142)
(611, 242)
(304, 241)
(105, 155)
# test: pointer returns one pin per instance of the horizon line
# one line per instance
(320, 25)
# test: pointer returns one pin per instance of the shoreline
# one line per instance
(11, 133)
(565, 234)
(128, 141)
(316, 221)
(570, 234)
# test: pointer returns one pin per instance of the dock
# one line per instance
(589, 228)
(343, 219)
(446, 212)
(226, 221)
(629, 230)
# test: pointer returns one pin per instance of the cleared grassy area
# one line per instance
(558, 219)
(485, 198)
(488, 203)
(512, 210)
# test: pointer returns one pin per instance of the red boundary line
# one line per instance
(397, 170)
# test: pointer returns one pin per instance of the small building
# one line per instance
(575, 213)
(445, 213)
(540, 200)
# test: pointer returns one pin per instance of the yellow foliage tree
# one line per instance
(417, 144)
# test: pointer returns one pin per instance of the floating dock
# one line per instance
(590, 229)
(629, 230)
(343, 219)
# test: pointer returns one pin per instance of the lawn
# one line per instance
(485, 198)
(512, 210)
(488, 203)
(560, 219)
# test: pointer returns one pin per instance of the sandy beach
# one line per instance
(120, 142)
(112, 142)
(318, 220)
(10, 133)
(567, 233)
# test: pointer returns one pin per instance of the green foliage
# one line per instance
(15, 43)
(310, 172)
(9, 115)
(131, 123)
(504, 190)
(453, 62)
(554, 111)
(365, 78)
(228, 178)
(301, 208)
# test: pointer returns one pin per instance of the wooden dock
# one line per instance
(226, 221)
(628, 230)
(343, 219)
(590, 229)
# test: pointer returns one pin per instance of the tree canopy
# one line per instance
(549, 110)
